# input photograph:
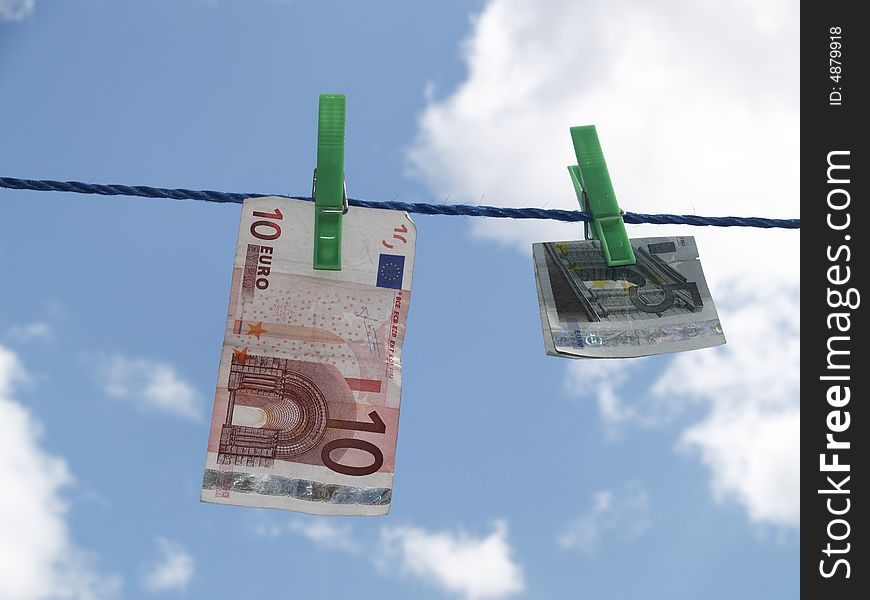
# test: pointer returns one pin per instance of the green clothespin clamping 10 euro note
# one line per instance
(595, 192)
(329, 189)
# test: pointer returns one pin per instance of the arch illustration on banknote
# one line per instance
(274, 412)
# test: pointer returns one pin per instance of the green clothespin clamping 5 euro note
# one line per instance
(595, 192)
(329, 189)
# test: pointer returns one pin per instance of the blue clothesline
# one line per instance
(572, 216)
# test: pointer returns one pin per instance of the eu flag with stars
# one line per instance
(391, 268)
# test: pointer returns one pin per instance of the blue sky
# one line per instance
(518, 475)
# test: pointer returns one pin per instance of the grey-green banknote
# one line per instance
(589, 310)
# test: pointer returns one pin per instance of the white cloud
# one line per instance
(750, 439)
(697, 107)
(38, 559)
(38, 330)
(750, 435)
(320, 530)
(150, 384)
(16, 10)
(471, 567)
(612, 515)
(751, 455)
(173, 569)
(606, 381)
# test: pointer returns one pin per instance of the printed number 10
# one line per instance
(273, 230)
(376, 426)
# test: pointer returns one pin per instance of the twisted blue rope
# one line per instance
(571, 216)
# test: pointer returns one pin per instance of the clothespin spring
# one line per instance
(343, 193)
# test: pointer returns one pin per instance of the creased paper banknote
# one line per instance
(589, 310)
(307, 401)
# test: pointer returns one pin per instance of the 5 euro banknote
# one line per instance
(591, 310)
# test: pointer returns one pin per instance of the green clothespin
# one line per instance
(595, 192)
(328, 189)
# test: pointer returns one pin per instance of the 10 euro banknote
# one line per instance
(310, 377)
(590, 310)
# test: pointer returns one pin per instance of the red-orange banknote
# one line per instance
(307, 404)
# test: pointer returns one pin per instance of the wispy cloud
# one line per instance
(172, 570)
(16, 10)
(465, 565)
(150, 384)
(606, 380)
(38, 558)
(472, 567)
(320, 530)
(621, 514)
(29, 332)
